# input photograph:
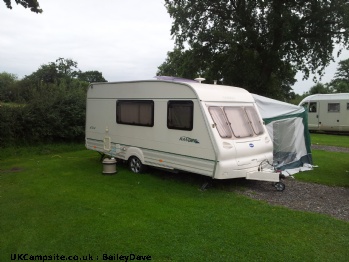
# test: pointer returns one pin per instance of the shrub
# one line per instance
(55, 114)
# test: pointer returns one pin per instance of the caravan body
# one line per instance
(328, 112)
(211, 130)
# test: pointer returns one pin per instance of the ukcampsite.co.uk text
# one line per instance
(57, 257)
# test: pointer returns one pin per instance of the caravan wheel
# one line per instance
(279, 186)
(135, 165)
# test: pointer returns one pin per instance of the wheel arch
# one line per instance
(134, 151)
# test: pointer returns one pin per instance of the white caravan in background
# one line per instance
(327, 112)
(212, 130)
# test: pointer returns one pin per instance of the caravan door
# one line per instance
(329, 115)
(313, 115)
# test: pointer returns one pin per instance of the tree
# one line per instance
(52, 104)
(319, 88)
(65, 67)
(45, 74)
(258, 44)
(339, 86)
(63, 70)
(340, 83)
(91, 76)
(342, 71)
(7, 82)
(180, 63)
(32, 4)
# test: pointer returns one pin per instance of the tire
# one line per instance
(279, 186)
(135, 165)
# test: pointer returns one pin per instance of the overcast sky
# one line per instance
(123, 39)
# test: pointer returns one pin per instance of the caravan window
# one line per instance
(333, 107)
(255, 120)
(312, 107)
(221, 121)
(239, 122)
(135, 112)
(180, 115)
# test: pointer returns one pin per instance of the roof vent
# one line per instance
(174, 79)
(200, 79)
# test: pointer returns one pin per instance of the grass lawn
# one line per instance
(333, 167)
(332, 170)
(56, 202)
(330, 140)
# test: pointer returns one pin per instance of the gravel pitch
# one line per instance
(311, 197)
(305, 196)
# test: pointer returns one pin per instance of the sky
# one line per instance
(123, 39)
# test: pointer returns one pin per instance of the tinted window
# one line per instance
(135, 112)
(180, 115)
(333, 107)
(312, 107)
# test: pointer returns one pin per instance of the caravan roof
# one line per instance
(336, 96)
(173, 89)
(207, 92)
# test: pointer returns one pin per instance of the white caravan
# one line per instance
(212, 130)
(327, 112)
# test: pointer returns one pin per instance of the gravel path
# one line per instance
(333, 201)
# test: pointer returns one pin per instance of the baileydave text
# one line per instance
(130, 257)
